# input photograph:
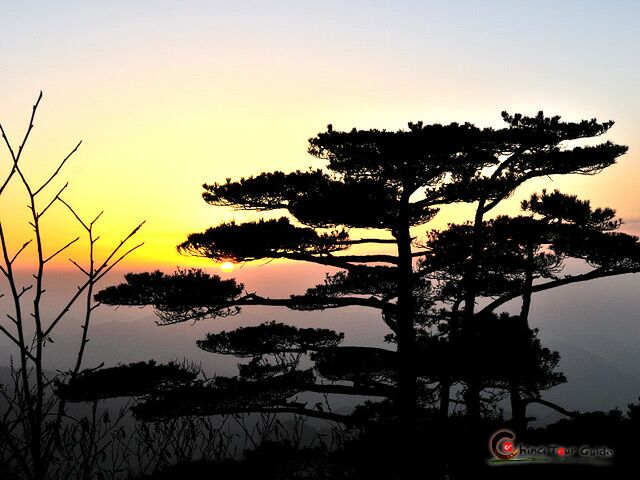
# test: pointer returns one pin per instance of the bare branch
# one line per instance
(66, 308)
(61, 250)
(22, 347)
(122, 257)
(9, 177)
(20, 251)
(54, 174)
(74, 213)
(96, 219)
(14, 156)
(24, 290)
(56, 197)
(99, 273)
(122, 242)
(79, 267)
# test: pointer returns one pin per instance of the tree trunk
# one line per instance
(445, 392)
(407, 380)
(473, 383)
(518, 407)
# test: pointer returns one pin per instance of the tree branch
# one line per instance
(344, 261)
(22, 347)
(378, 391)
(122, 242)
(15, 157)
(291, 408)
(79, 267)
(367, 240)
(24, 245)
(552, 406)
(75, 214)
(116, 262)
(56, 197)
(61, 250)
(593, 274)
(54, 174)
(254, 299)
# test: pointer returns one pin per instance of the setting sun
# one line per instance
(227, 267)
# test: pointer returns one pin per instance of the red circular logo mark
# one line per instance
(502, 445)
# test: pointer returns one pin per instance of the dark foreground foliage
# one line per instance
(448, 450)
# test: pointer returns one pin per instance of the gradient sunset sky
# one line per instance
(167, 95)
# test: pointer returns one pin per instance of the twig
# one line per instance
(54, 174)
(56, 197)
(79, 267)
(15, 157)
(13, 259)
(22, 348)
(61, 249)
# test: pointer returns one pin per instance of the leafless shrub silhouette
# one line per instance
(35, 421)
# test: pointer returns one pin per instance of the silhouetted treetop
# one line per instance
(540, 130)
(505, 259)
(525, 165)
(404, 160)
(222, 395)
(258, 368)
(563, 208)
(581, 160)
(135, 379)
(361, 365)
(370, 280)
(317, 199)
(606, 251)
(530, 147)
(577, 230)
(268, 338)
(560, 227)
(267, 191)
(372, 173)
(184, 295)
(189, 295)
(262, 239)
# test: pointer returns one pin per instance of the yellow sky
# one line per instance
(166, 97)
